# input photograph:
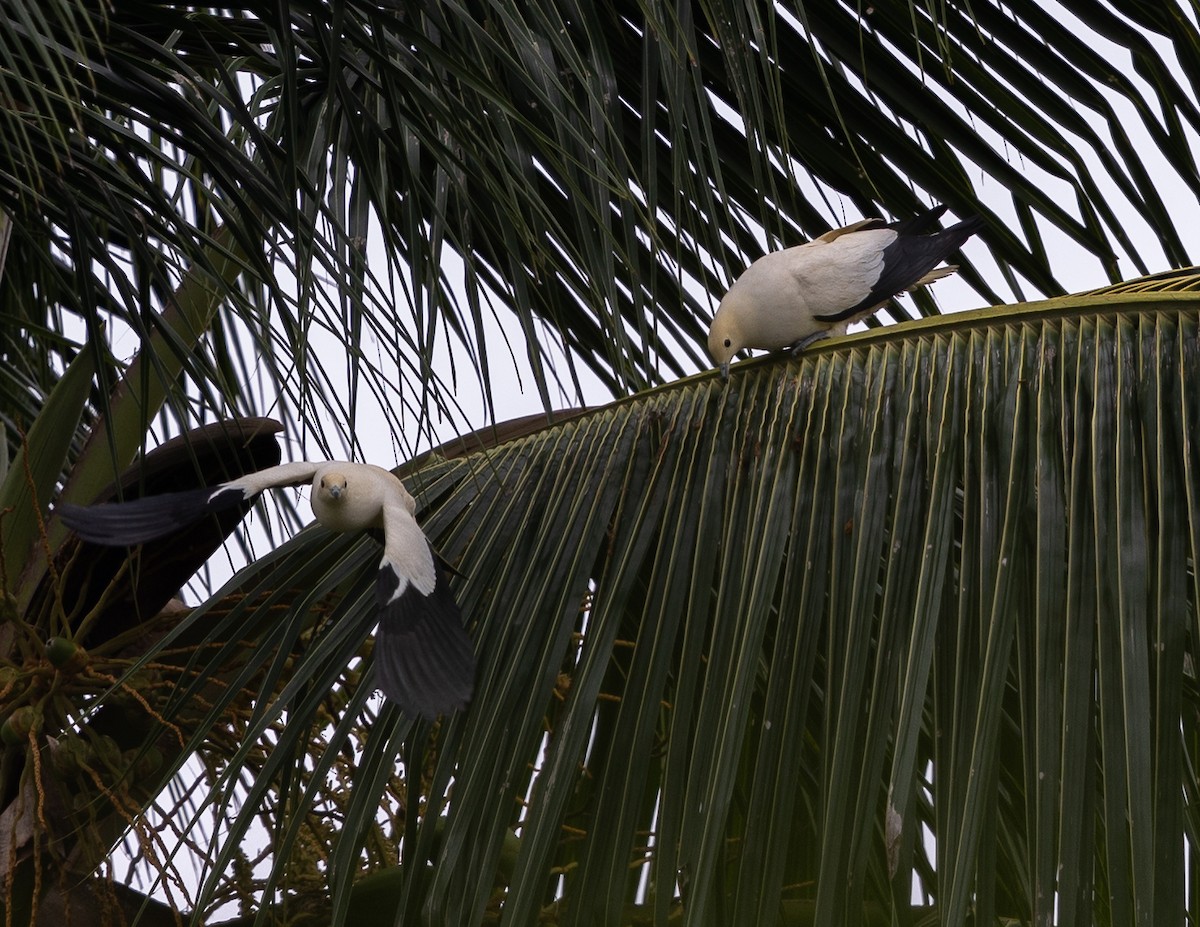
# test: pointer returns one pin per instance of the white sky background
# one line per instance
(513, 386)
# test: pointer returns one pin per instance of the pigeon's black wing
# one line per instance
(137, 521)
(907, 259)
(423, 656)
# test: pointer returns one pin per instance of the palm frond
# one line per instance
(918, 605)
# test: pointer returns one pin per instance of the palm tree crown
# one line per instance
(908, 617)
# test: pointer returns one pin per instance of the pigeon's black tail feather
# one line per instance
(423, 656)
(137, 521)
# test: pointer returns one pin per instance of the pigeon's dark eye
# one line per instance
(727, 342)
(322, 484)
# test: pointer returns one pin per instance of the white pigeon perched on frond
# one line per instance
(791, 298)
(423, 657)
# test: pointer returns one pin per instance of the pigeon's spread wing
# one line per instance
(289, 474)
(423, 655)
(425, 660)
(137, 521)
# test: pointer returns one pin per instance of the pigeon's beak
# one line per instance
(335, 491)
(725, 371)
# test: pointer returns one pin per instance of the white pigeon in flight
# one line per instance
(423, 656)
(791, 298)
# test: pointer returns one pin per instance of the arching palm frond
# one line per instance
(914, 607)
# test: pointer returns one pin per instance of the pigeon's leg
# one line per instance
(804, 342)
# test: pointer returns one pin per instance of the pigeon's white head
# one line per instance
(349, 496)
(725, 336)
(332, 487)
